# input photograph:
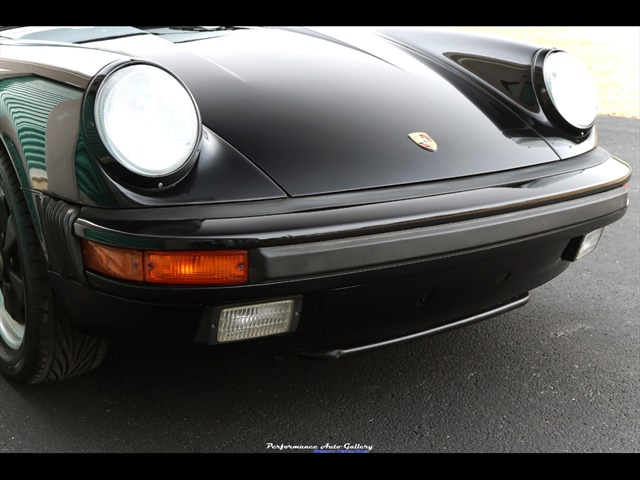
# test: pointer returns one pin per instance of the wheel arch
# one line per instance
(13, 151)
(39, 131)
(39, 126)
(38, 344)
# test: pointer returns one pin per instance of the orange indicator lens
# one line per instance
(220, 267)
(113, 261)
(223, 267)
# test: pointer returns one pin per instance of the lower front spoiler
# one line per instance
(512, 305)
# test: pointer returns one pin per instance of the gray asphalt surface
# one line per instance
(558, 375)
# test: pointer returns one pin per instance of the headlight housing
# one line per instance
(148, 122)
(568, 92)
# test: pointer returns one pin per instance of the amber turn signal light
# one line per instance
(206, 267)
(222, 267)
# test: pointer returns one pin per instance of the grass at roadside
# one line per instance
(611, 53)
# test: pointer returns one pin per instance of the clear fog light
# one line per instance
(589, 243)
(580, 246)
(258, 320)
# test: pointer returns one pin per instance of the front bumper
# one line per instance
(366, 273)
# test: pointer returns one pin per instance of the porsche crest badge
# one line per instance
(423, 140)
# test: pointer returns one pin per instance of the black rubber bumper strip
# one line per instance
(369, 251)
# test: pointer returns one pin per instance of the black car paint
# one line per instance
(279, 113)
(280, 109)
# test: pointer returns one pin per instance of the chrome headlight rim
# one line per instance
(554, 107)
(109, 158)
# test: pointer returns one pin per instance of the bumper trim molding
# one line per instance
(334, 256)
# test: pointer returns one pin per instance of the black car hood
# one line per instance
(321, 116)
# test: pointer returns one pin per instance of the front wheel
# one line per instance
(37, 344)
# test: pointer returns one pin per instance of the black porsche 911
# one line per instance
(218, 191)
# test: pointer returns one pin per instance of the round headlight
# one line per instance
(147, 120)
(571, 89)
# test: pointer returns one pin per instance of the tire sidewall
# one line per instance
(24, 362)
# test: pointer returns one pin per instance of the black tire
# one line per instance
(37, 344)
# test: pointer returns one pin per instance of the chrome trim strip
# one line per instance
(432, 331)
